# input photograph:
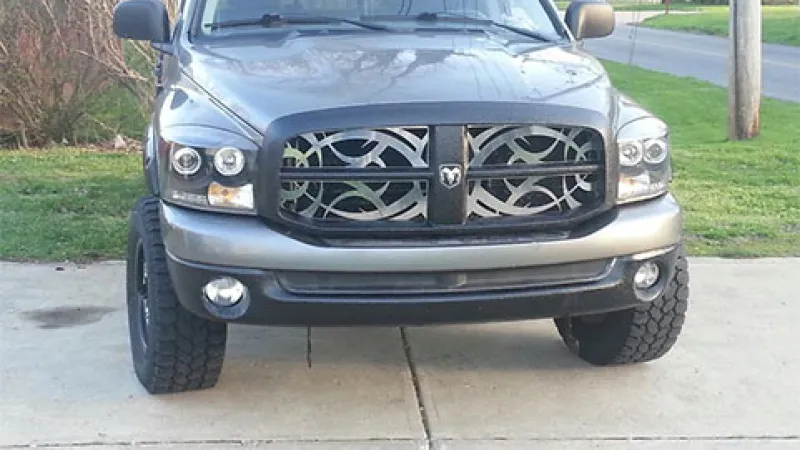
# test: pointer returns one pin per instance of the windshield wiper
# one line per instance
(459, 18)
(278, 20)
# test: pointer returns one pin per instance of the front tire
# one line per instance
(173, 350)
(640, 334)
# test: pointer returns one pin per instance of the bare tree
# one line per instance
(129, 63)
(55, 55)
(44, 84)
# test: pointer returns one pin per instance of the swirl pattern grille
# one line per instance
(338, 179)
(504, 146)
(357, 200)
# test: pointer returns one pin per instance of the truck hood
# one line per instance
(263, 81)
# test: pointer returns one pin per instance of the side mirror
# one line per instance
(142, 20)
(589, 19)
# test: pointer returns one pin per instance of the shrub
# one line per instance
(56, 58)
(47, 73)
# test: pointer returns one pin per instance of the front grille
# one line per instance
(356, 200)
(361, 199)
(441, 178)
(499, 148)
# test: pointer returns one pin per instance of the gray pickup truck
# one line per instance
(394, 162)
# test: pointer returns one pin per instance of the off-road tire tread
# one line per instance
(640, 334)
(187, 351)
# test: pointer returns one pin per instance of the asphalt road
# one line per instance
(731, 383)
(703, 57)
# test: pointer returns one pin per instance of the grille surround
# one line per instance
(399, 225)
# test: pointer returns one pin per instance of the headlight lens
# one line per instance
(645, 170)
(229, 161)
(217, 179)
(655, 151)
(630, 153)
(186, 161)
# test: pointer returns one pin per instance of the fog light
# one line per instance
(224, 291)
(646, 276)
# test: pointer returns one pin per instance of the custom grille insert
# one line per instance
(533, 173)
(576, 180)
(356, 175)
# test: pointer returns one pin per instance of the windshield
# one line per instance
(226, 17)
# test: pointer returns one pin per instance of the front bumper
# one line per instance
(270, 303)
(202, 246)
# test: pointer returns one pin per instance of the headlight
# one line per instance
(229, 161)
(644, 163)
(186, 161)
(215, 178)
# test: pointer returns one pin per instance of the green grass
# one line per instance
(780, 24)
(64, 204)
(742, 198)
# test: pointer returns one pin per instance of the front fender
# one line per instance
(627, 111)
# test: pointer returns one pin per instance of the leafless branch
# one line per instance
(55, 55)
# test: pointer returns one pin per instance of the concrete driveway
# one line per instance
(733, 381)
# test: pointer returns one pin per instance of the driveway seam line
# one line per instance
(790, 437)
(250, 442)
(412, 368)
(240, 442)
(308, 346)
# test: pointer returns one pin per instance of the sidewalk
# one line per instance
(730, 383)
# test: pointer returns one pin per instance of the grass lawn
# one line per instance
(66, 203)
(780, 24)
(742, 199)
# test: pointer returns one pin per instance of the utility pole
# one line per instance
(745, 69)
